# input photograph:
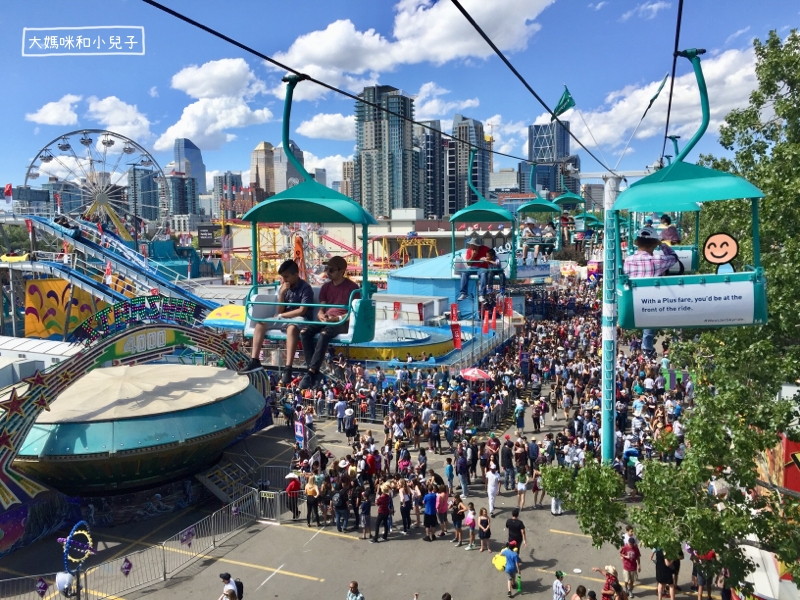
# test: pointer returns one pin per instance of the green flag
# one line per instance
(658, 91)
(566, 102)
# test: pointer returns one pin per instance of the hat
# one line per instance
(491, 435)
(529, 221)
(343, 464)
(473, 242)
(647, 233)
(224, 575)
(349, 412)
(507, 436)
(305, 462)
(591, 594)
(611, 569)
(559, 574)
(512, 543)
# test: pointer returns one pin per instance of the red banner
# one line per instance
(29, 223)
(154, 291)
(66, 247)
(143, 248)
(454, 312)
(509, 308)
(108, 272)
(494, 318)
(421, 312)
(396, 311)
(485, 321)
(456, 329)
(58, 200)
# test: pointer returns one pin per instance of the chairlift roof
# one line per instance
(683, 187)
(483, 210)
(539, 206)
(309, 202)
(569, 198)
(588, 217)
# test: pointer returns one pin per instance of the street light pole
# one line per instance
(609, 348)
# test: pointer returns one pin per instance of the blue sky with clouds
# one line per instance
(612, 55)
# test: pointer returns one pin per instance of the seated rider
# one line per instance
(496, 265)
(336, 291)
(670, 233)
(643, 263)
(530, 229)
(295, 292)
(476, 259)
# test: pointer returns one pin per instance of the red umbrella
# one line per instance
(474, 374)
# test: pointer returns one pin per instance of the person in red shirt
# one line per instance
(382, 503)
(476, 259)
(631, 564)
(610, 572)
(291, 491)
(704, 579)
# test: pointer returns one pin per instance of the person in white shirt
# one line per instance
(227, 586)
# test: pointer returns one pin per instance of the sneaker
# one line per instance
(427, 539)
(286, 378)
(373, 541)
(308, 381)
(440, 535)
(461, 297)
(509, 594)
(253, 366)
(453, 541)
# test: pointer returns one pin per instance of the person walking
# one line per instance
(516, 530)
(522, 486)
(382, 503)
(228, 586)
(513, 562)
(492, 486)
(631, 564)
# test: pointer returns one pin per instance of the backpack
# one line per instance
(239, 589)
(337, 500)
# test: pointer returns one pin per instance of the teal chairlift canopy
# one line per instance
(310, 202)
(703, 300)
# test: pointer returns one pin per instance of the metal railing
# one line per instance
(153, 564)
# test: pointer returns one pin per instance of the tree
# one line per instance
(738, 370)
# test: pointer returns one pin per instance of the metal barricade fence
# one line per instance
(110, 579)
(24, 588)
(188, 544)
(271, 477)
(239, 513)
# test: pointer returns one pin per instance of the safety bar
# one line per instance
(348, 306)
(538, 240)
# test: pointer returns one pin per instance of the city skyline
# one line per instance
(227, 102)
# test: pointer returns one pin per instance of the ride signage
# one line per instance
(134, 311)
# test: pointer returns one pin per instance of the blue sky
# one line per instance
(612, 54)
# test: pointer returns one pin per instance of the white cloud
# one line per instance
(153, 92)
(506, 135)
(428, 103)
(646, 10)
(35, 131)
(332, 165)
(424, 31)
(119, 117)
(735, 35)
(223, 89)
(730, 77)
(628, 150)
(211, 174)
(329, 126)
(61, 112)
(598, 6)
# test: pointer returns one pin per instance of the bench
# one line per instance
(267, 311)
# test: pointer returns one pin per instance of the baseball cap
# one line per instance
(224, 576)
(512, 543)
(559, 574)
(647, 233)
(473, 242)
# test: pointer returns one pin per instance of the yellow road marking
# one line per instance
(569, 533)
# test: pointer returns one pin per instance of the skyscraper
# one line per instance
(320, 176)
(430, 145)
(183, 194)
(262, 170)
(286, 175)
(386, 175)
(223, 190)
(348, 175)
(186, 151)
(458, 194)
(549, 143)
(143, 189)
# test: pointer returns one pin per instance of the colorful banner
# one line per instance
(46, 308)
(509, 308)
(421, 311)
(396, 311)
(454, 312)
(494, 318)
(455, 328)
(485, 321)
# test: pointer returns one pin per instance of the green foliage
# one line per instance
(738, 418)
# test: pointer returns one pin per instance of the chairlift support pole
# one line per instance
(611, 250)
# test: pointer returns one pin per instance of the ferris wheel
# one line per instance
(104, 176)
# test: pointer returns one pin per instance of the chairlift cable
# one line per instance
(502, 56)
(672, 79)
(327, 86)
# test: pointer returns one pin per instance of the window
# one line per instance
(21, 356)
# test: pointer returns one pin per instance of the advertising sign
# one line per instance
(300, 433)
(700, 305)
(456, 329)
(209, 236)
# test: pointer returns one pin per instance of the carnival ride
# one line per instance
(702, 300)
(109, 177)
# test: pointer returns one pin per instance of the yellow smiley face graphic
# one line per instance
(720, 248)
